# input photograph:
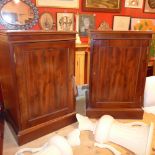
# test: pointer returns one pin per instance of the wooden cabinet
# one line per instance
(149, 71)
(118, 66)
(36, 69)
(81, 67)
(1, 101)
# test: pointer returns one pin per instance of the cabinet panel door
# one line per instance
(117, 73)
(44, 76)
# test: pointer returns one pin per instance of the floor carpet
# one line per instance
(87, 140)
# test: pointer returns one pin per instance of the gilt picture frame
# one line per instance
(101, 5)
(58, 3)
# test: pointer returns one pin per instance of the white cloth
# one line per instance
(149, 95)
(149, 92)
(150, 109)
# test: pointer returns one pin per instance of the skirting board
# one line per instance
(37, 131)
(121, 113)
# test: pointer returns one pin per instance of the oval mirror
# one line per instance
(18, 14)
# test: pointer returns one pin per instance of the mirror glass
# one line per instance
(18, 14)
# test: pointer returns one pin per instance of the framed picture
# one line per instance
(142, 24)
(86, 22)
(65, 21)
(58, 3)
(149, 6)
(121, 23)
(102, 5)
(103, 26)
(46, 21)
(134, 3)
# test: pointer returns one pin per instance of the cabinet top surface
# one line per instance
(18, 36)
(27, 32)
(121, 32)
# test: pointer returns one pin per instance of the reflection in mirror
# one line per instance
(21, 14)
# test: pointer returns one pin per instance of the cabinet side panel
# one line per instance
(8, 82)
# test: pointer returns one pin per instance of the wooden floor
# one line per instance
(1, 133)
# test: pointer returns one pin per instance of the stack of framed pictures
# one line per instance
(136, 24)
(65, 22)
(125, 23)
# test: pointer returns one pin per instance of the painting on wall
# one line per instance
(134, 3)
(46, 21)
(103, 26)
(102, 5)
(65, 21)
(142, 24)
(58, 3)
(149, 6)
(86, 22)
(121, 23)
